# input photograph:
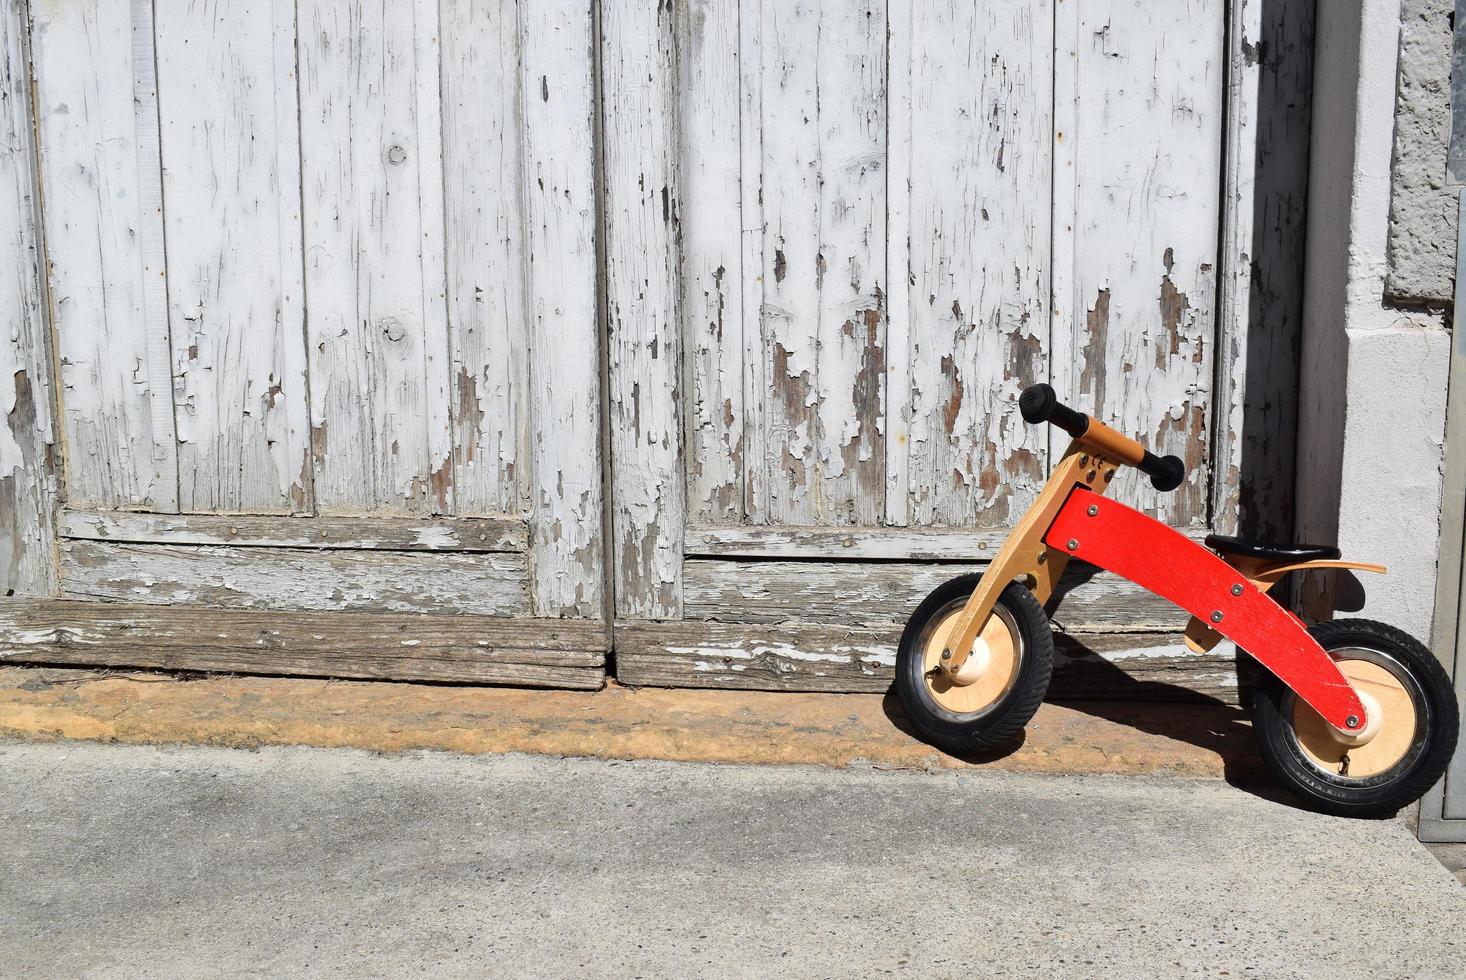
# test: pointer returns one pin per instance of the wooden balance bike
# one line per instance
(1354, 717)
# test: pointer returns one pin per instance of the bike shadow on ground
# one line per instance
(1165, 710)
(1218, 726)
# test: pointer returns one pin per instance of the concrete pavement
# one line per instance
(141, 861)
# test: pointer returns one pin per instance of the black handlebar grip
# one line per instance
(1166, 472)
(1038, 403)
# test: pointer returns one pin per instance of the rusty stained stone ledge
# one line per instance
(616, 723)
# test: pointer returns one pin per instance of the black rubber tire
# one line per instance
(1386, 792)
(1007, 716)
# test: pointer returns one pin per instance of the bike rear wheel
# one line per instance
(1414, 723)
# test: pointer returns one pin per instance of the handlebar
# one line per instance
(1038, 403)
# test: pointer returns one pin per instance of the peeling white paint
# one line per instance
(286, 578)
(567, 544)
(96, 102)
(27, 475)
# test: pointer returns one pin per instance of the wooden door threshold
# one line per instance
(355, 645)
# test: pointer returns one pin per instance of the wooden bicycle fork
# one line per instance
(1227, 598)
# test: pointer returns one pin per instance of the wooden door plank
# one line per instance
(644, 332)
(707, 106)
(850, 262)
(288, 578)
(486, 255)
(849, 543)
(565, 394)
(27, 435)
(857, 593)
(790, 256)
(97, 116)
(230, 136)
(1130, 666)
(753, 230)
(375, 646)
(480, 534)
(373, 244)
(823, 314)
(1147, 121)
(897, 418)
(979, 257)
(966, 544)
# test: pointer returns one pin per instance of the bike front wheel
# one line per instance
(1018, 650)
(1412, 735)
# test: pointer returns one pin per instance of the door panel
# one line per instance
(981, 79)
(236, 300)
(372, 185)
(96, 108)
(1137, 187)
(822, 317)
(826, 124)
(380, 228)
(841, 240)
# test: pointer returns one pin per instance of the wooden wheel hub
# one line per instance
(1388, 733)
(984, 676)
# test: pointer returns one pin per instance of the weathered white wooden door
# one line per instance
(323, 301)
(841, 238)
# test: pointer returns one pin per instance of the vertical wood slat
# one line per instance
(1264, 201)
(97, 117)
(708, 107)
(898, 416)
(851, 262)
(979, 254)
(1063, 302)
(823, 265)
(565, 395)
(788, 317)
(1147, 95)
(27, 434)
(752, 229)
(232, 186)
(374, 273)
(484, 174)
(648, 508)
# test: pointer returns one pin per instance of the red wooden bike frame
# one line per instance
(1072, 518)
(1160, 559)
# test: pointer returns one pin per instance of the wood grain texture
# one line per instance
(28, 478)
(96, 104)
(752, 229)
(1144, 666)
(287, 578)
(356, 645)
(823, 264)
(483, 170)
(375, 278)
(709, 175)
(229, 135)
(339, 533)
(978, 225)
(1145, 120)
(866, 593)
(643, 331)
(855, 543)
(896, 425)
(566, 537)
(1269, 113)
(565, 400)
(969, 545)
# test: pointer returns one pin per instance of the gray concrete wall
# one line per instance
(1373, 384)
(1422, 237)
